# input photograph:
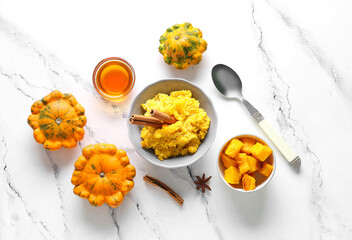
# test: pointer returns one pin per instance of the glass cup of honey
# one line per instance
(113, 78)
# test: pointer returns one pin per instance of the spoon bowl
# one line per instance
(227, 81)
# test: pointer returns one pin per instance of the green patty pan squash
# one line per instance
(57, 121)
(182, 45)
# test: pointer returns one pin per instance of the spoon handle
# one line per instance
(279, 142)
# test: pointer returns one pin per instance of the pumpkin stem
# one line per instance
(102, 174)
(58, 120)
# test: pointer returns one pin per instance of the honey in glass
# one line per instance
(113, 78)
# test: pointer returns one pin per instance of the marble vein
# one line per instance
(56, 172)
(152, 225)
(331, 71)
(90, 132)
(206, 206)
(190, 180)
(286, 121)
(80, 145)
(317, 191)
(55, 68)
(12, 78)
(280, 94)
(94, 135)
(23, 40)
(181, 174)
(210, 219)
(45, 232)
(325, 218)
(28, 83)
(112, 213)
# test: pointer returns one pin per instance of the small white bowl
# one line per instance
(166, 86)
(221, 168)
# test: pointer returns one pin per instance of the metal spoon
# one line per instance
(229, 84)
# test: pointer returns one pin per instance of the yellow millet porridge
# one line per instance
(182, 137)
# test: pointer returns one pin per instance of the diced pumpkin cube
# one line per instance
(253, 163)
(232, 175)
(241, 157)
(243, 166)
(233, 148)
(247, 144)
(266, 169)
(227, 161)
(260, 151)
(248, 182)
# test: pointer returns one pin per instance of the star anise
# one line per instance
(202, 183)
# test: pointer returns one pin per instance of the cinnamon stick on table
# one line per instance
(145, 121)
(162, 116)
(161, 185)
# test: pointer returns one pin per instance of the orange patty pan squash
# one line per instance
(103, 174)
(57, 120)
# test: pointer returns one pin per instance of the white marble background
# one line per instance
(295, 60)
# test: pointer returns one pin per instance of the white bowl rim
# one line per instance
(212, 138)
(240, 189)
